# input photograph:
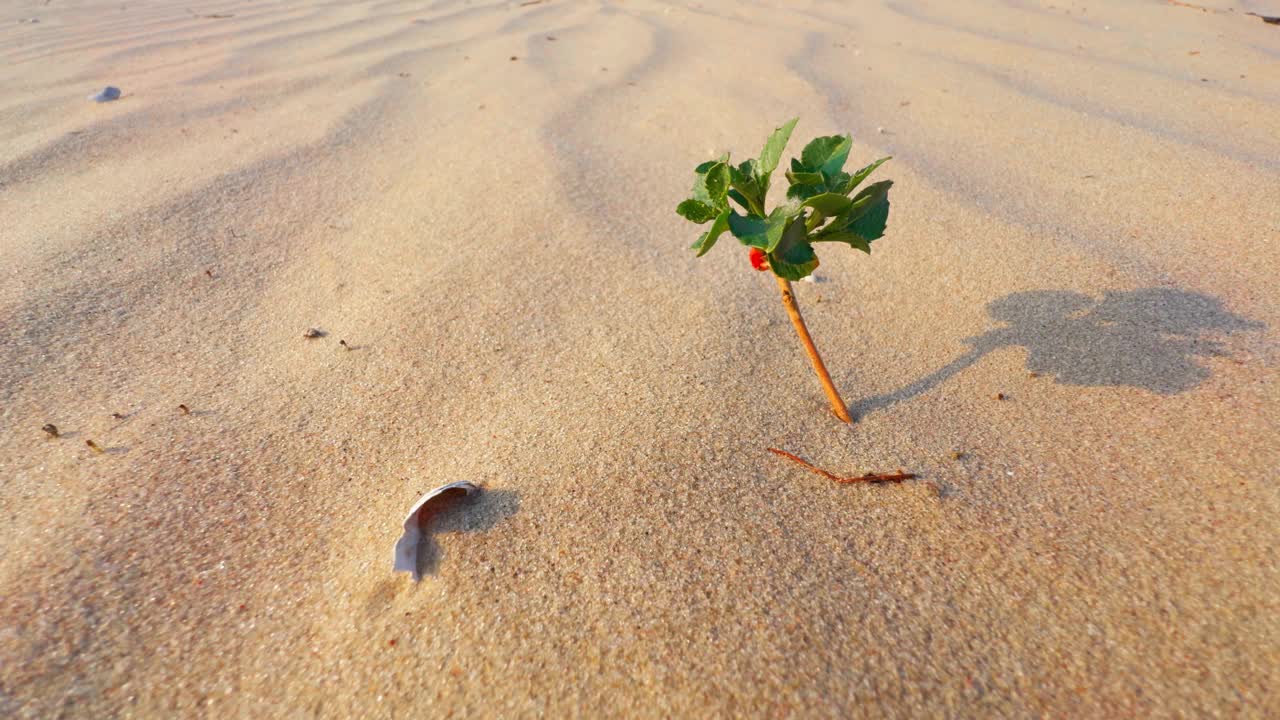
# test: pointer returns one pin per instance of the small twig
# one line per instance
(869, 477)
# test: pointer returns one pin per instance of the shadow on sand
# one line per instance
(476, 513)
(1148, 339)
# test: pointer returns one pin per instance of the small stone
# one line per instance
(999, 396)
(313, 333)
(51, 429)
(108, 94)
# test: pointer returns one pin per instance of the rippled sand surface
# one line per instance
(476, 198)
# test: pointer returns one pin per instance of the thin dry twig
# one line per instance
(869, 477)
(1201, 8)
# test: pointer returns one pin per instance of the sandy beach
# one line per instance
(476, 198)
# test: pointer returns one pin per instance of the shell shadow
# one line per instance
(462, 514)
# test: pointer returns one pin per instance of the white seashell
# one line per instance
(108, 94)
(406, 551)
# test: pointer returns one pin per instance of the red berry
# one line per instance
(759, 260)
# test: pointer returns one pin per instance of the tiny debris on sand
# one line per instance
(51, 429)
(313, 333)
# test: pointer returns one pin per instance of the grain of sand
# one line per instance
(1085, 220)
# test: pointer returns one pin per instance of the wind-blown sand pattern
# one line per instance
(1085, 220)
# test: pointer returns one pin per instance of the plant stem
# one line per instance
(833, 396)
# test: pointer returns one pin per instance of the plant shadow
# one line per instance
(1148, 339)
(461, 514)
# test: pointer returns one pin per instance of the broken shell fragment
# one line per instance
(406, 551)
(107, 94)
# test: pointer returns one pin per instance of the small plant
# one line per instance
(821, 207)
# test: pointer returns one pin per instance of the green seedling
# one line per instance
(821, 206)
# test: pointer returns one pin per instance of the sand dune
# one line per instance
(1084, 221)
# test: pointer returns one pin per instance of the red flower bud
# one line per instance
(759, 260)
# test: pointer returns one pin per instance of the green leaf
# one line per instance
(696, 211)
(711, 183)
(774, 146)
(862, 174)
(744, 179)
(826, 154)
(800, 193)
(868, 197)
(708, 239)
(837, 181)
(847, 237)
(864, 221)
(759, 232)
(793, 258)
(805, 178)
(740, 199)
(862, 202)
(872, 223)
(717, 182)
(829, 204)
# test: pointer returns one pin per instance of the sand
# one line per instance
(1084, 220)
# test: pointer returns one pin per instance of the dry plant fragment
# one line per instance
(869, 477)
(51, 429)
(185, 410)
(94, 446)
